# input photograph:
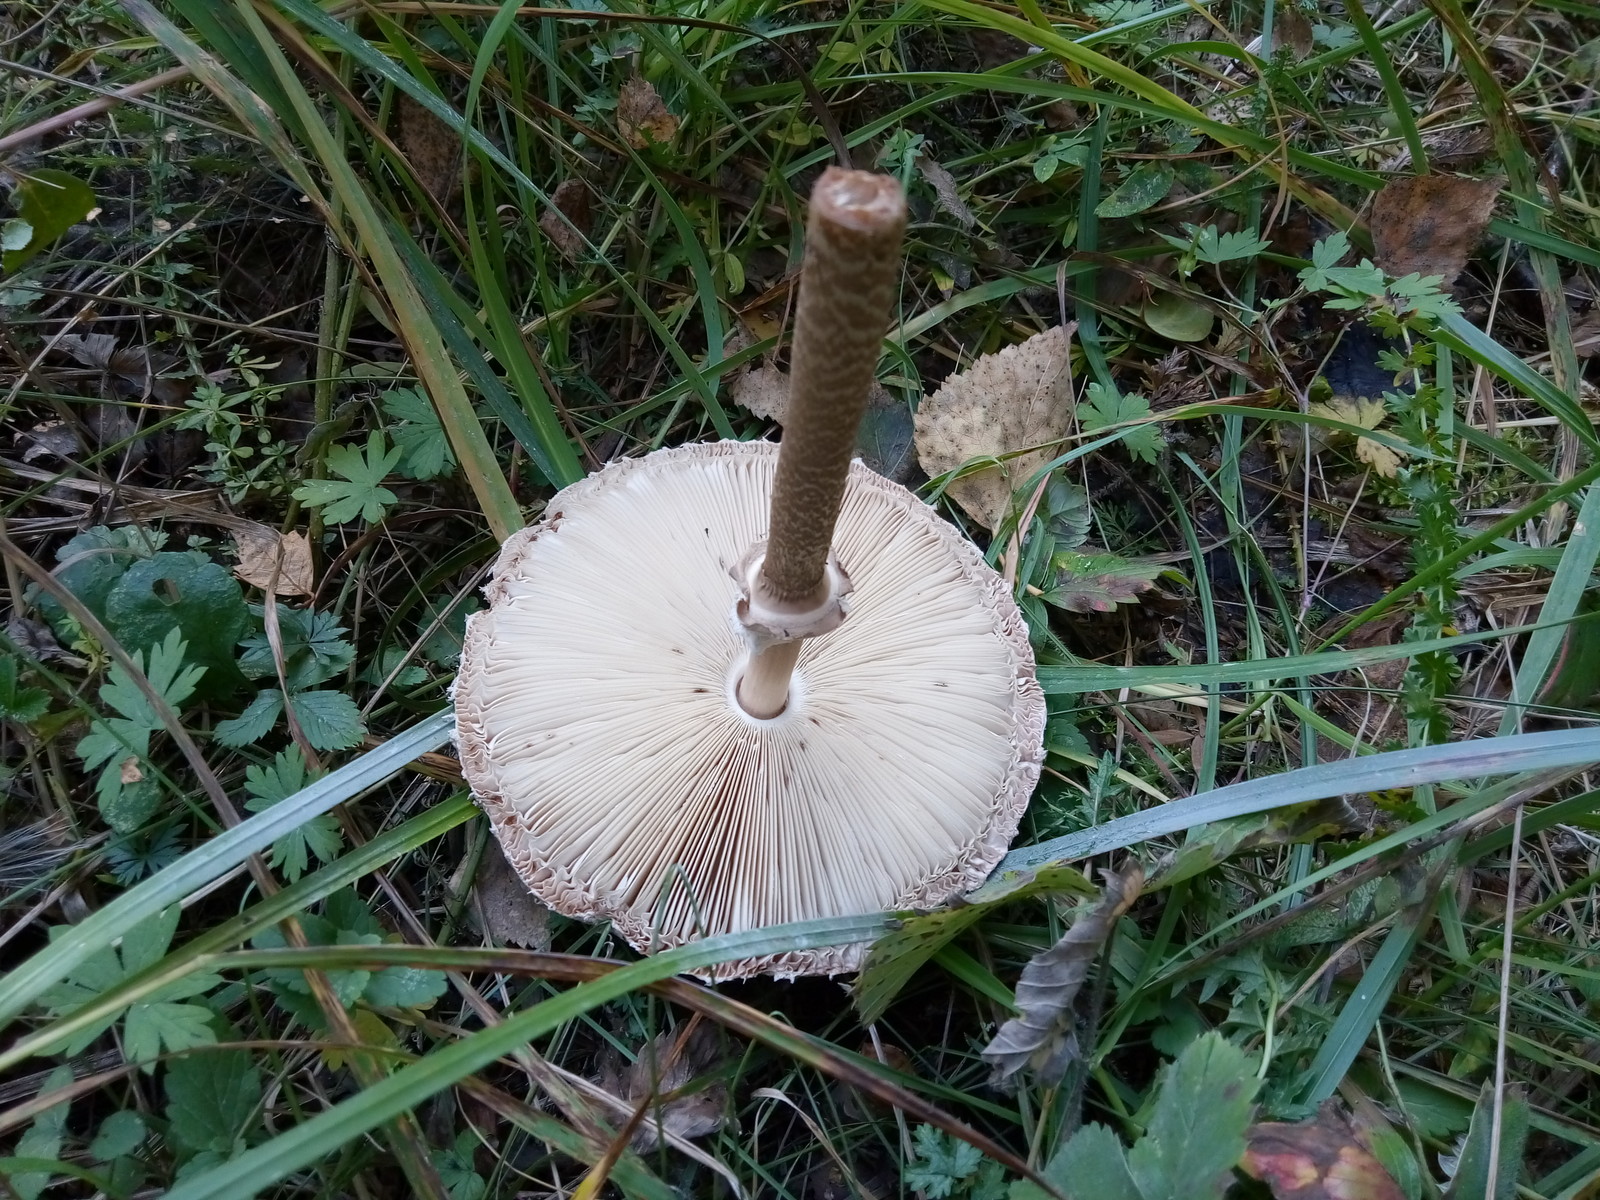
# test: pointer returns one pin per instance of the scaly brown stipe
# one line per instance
(852, 266)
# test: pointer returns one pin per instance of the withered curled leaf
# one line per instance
(1041, 1036)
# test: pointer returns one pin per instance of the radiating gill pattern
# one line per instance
(604, 725)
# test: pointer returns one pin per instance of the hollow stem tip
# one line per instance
(852, 266)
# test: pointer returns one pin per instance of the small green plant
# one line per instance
(119, 746)
(947, 1167)
(1106, 407)
(314, 652)
(158, 1023)
(271, 783)
(247, 459)
(359, 490)
(1194, 1136)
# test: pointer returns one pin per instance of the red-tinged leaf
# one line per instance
(1318, 1159)
(1098, 582)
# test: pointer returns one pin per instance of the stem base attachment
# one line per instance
(777, 629)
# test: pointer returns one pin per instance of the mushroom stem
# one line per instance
(852, 264)
(764, 686)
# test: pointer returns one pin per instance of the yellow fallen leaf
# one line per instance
(1380, 458)
(270, 559)
(1365, 413)
(1004, 402)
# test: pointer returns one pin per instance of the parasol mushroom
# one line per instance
(677, 725)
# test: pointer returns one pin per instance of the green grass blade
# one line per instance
(23, 984)
(1466, 338)
(1056, 680)
(307, 890)
(1365, 1005)
(1566, 593)
(325, 1133)
(1376, 772)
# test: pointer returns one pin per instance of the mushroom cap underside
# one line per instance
(597, 723)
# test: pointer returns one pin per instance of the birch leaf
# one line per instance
(1042, 1035)
(1007, 401)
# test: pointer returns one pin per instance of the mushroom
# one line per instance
(732, 685)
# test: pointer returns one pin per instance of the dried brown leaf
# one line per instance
(571, 201)
(431, 147)
(139, 365)
(1292, 29)
(51, 439)
(1430, 224)
(1019, 397)
(1586, 335)
(1319, 1159)
(1092, 581)
(1368, 414)
(669, 1063)
(90, 349)
(764, 391)
(1041, 1035)
(270, 559)
(944, 186)
(883, 442)
(1463, 147)
(503, 909)
(642, 119)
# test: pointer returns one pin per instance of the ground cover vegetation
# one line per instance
(1254, 342)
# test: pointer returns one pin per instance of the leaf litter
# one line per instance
(1013, 400)
(1043, 1034)
(1431, 224)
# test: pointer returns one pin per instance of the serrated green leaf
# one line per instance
(379, 669)
(165, 1025)
(329, 720)
(211, 1100)
(154, 1023)
(1471, 1180)
(1212, 247)
(314, 649)
(42, 1139)
(254, 723)
(943, 1163)
(1196, 1132)
(1107, 407)
(145, 943)
(404, 987)
(359, 491)
(1146, 185)
(1092, 1166)
(120, 745)
(21, 704)
(424, 450)
(348, 912)
(456, 1171)
(50, 202)
(319, 837)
